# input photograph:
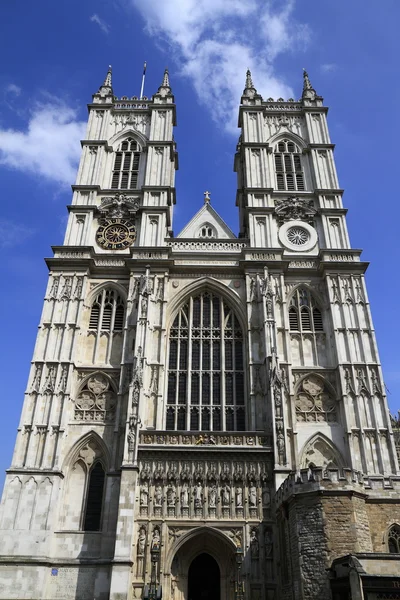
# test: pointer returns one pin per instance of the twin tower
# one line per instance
(205, 417)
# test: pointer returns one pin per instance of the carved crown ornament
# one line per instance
(117, 229)
(293, 208)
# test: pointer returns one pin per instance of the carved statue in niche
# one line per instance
(266, 497)
(142, 541)
(212, 496)
(239, 497)
(252, 495)
(171, 495)
(254, 545)
(226, 495)
(158, 495)
(156, 540)
(268, 543)
(144, 496)
(185, 496)
(198, 495)
(314, 402)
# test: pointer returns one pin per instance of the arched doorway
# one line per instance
(204, 578)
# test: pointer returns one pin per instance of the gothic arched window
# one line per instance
(206, 368)
(94, 498)
(304, 314)
(107, 312)
(126, 166)
(394, 539)
(288, 166)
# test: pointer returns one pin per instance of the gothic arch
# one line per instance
(391, 538)
(216, 537)
(320, 447)
(91, 297)
(321, 378)
(288, 135)
(207, 284)
(119, 137)
(316, 295)
(74, 453)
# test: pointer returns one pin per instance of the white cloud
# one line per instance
(48, 146)
(328, 67)
(215, 41)
(11, 88)
(100, 22)
(11, 234)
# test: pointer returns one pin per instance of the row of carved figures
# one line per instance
(224, 494)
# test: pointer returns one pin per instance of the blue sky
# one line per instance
(57, 56)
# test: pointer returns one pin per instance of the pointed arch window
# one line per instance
(304, 314)
(94, 498)
(394, 539)
(107, 312)
(126, 166)
(206, 368)
(288, 166)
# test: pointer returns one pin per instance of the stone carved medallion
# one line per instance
(314, 402)
(96, 400)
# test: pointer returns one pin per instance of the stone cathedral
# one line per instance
(205, 416)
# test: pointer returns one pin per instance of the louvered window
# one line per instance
(126, 166)
(304, 315)
(107, 312)
(288, 167)
(94, 500)
(206, 389)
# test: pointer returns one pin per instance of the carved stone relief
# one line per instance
(314, 401)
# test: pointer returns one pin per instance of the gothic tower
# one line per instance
(178, 382)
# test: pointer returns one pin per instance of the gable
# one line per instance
(207, 224)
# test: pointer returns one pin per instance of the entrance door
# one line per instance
(204, 579)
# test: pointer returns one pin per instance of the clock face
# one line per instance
(116, 234)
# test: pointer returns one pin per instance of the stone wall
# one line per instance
(328, 514)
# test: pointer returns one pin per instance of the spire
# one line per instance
(249, 81)
(107, 81)
(249, 89)
(165, 87)
(308, 90)
(106, 86)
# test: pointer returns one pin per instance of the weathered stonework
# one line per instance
(178, 382)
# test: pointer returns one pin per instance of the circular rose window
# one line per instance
(298, 236)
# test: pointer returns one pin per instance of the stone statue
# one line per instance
(185, 495)
(158, 495)
(239, 497)
(212, 496)
(225, 495)
(254, 545)
(268, 543)
(144, 496)
(171, 495)
(155, 543)
(198, 500)
(252, 496)
(141, 541)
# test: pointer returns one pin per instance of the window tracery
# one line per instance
(394, 539)
(314, 401)
(206, 368)
(304, 315)
(107, 312)
(126, 166)
(288, 166)
(96, 401)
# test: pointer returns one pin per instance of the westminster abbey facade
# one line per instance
(205, 417)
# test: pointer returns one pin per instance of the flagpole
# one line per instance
(143, 76)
